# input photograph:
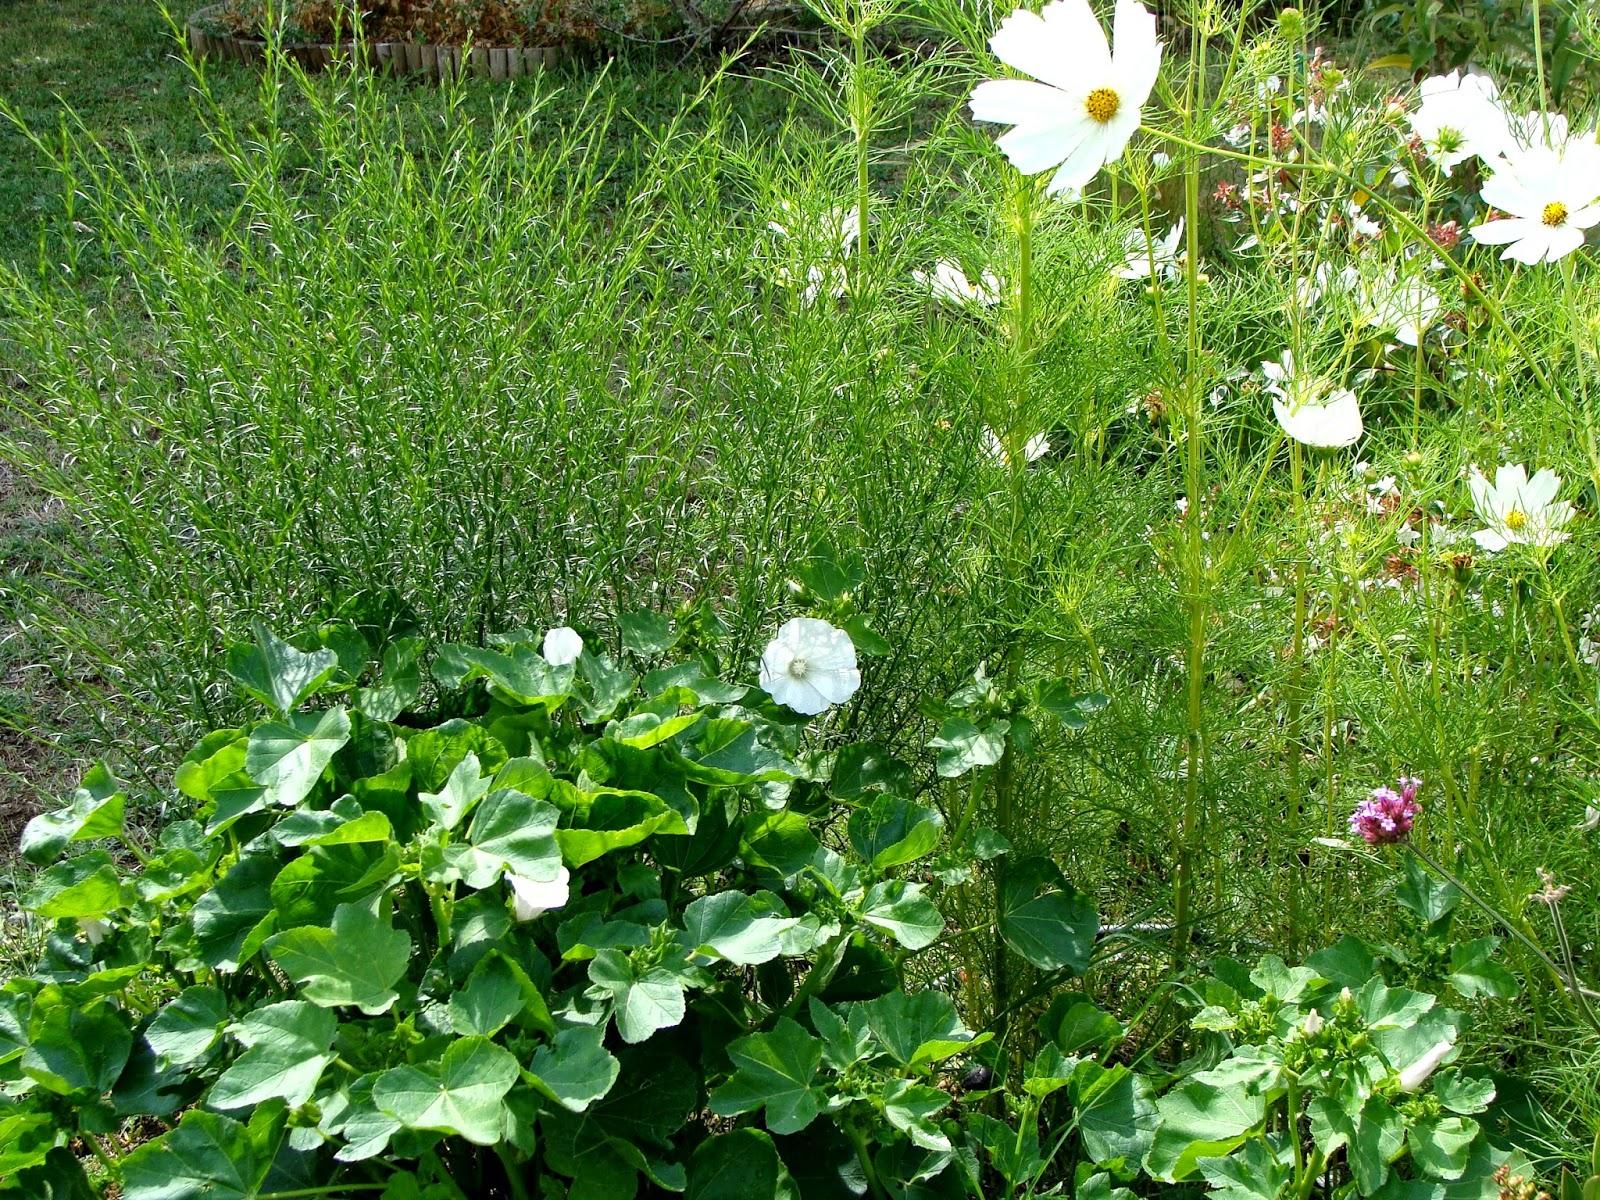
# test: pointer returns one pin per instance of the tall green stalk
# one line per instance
(1014, 438)
(1194, 491)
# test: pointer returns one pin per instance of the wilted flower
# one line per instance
(531, 897)
(1082, 114)
(1552, 196)
(1591, 819)
(1550, 892)
(810, 666)
(948, 282)
(1309, 408)
(562, 646)
(1518, 509)
(1460, 118)
(1387, 814)
(1418, 1073)
(1164, 253)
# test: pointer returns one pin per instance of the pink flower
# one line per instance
(1386, 816)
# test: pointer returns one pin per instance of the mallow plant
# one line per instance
(535, 920)
(513, 921)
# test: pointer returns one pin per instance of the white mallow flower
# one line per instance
(532, 897)
(1552, 196)
(1084, 110)
(1034, 449)
(562, 646)
(94, 930)
(948, 282)
(810, 666)
(1515, 508)
(1309, 408)
(1407, 309)
(1165, 253)
(1460, 118)
(1419, 1072)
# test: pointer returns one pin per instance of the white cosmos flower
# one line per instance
(531, 897)
(1515, 508)
(823, 243)
(1325, 281)
(562, 646)
(1164, 252)
(1405, 309)
(1309, 408)
(1551, 130)
(1085, 108)
(948, 282)
(1460, 118)
(1418, 1073)
(1034, 449)
(1552, 196)
(810, 666)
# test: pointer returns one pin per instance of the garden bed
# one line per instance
(399, 58)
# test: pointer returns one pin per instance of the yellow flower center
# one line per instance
(1516, 520)
(1555, 214)
(1102, 104)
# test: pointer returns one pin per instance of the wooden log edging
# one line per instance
(397, 58)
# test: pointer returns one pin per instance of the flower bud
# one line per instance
(1293, 23)
(1414, 1076)
(1313, 1024)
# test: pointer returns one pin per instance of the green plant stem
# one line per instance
(864, 1157)
(331, 1190)
(1015, 440)
(1194, 491)
(513, 1169)
(1294, 698)
(819, 976)
(100, 1154)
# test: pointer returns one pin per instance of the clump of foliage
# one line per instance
(328, 969)
(520, 923)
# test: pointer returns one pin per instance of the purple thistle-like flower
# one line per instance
(1386, 816)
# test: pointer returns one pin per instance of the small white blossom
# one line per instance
(1460, 118)
(1309, 408)
(948, 282)
(1164, 255)
(1034, 449)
